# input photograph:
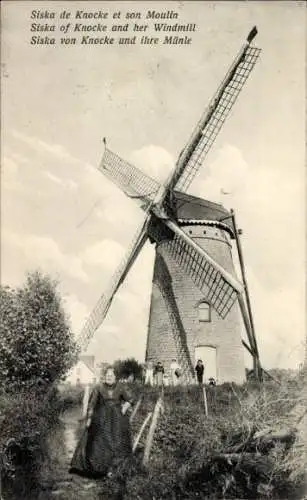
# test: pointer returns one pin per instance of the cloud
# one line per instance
(38, 145)
(65, 183)
(124, 330)
(268, 205)
(228, 173)
(153, 160)
(9, 166)
(64, 169)
(107, 253)
(9, 173)
(44, 252)
(54, 178)
(120, 214)
(26, 177)
(77, 311)
(261, 199)
(279, 322)
(254, 191)
(20, 159)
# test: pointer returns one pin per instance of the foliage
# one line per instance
(36, 350)
(186, 460)
(282, 375)
(127, 367)
(27, 417)
(22, 410)
(188, 455)
(36, 341)
(70, 396)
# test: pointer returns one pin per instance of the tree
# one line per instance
(36, 340)
(126, 367)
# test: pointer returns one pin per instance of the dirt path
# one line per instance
(60, 484)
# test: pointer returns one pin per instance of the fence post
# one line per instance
(151, 431)
(85, 400)
(135, 409)
(138, 437)
(205, 400)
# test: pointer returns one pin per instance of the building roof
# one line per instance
(193, 209)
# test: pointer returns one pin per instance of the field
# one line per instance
(241, 450)
(251, 445)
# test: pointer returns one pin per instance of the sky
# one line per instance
(59, 214)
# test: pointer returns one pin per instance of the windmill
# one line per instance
(194, 273)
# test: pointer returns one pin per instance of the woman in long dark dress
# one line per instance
(106, 439)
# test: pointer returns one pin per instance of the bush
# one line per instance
(189, 455)
(70, 397)
(127, 367)
(198, 457)
(27, 417)
(36, 341)
(36, 351)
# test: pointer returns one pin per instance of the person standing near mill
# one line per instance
(149, 378)
(106, 439)
(175, 372)
(158, 374)
(199, 369)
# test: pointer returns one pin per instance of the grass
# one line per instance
(187, 458)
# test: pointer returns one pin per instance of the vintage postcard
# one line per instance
(153, 341)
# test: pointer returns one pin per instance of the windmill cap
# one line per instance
(189, 207)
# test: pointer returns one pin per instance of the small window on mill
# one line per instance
(204, 312)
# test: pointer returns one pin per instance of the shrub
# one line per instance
(27, 417)
(36, 350)
(70, 397)
(127, 367)
(189, 455)
(36, 341)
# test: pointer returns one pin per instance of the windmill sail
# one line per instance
(129, 178)
(219, 286)
(100, 310)
(210, 124)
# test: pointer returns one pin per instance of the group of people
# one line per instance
(155, 374)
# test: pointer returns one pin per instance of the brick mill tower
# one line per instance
(177, 303)
(197, 301)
